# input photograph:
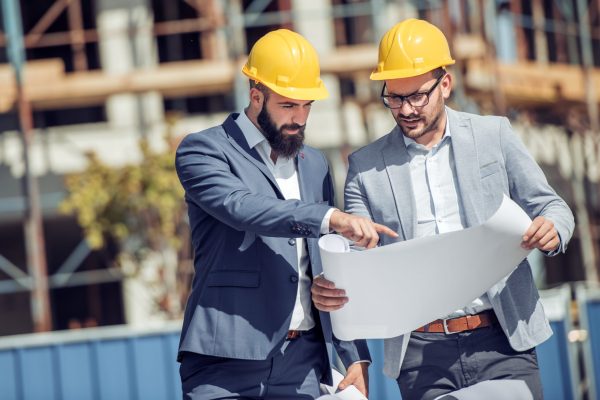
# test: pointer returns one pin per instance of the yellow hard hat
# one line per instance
(412, 47)
(286, 63)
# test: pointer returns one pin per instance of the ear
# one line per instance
(256, 98)
(446, 85)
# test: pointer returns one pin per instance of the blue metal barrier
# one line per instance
(97, 364)
(588, 300)
(380, 386)
(557, 357)
(123, 363)
(553, 360)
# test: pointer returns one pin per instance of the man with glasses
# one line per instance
(439, 171)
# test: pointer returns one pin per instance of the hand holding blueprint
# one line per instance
(350, 393)
(395, 289)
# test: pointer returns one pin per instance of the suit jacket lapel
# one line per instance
(303, 165)
(396, 159)
(238, 140)
(467, 166)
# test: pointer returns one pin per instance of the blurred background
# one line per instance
(95, 95)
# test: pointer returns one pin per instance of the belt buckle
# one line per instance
(445, 326)
(293, 334)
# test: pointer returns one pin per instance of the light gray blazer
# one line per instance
(490, 161)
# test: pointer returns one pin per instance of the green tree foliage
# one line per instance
(140, 205)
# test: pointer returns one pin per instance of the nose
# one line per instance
(300, 115)
(406, 108)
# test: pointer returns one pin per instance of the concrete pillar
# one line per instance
(126, 43)
(393, 12)
(325, 124)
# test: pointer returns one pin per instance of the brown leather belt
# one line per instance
(291, 335)
(460, 324)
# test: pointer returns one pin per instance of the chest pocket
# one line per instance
(489, 169)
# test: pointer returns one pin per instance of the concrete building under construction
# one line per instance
(101, 74)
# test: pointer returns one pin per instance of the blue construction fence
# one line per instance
(115, 363)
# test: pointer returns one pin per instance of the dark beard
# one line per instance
(282, 144)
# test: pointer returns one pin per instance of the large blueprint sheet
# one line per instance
(395, 289)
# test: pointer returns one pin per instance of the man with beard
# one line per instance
(258, 199)
(439, 171)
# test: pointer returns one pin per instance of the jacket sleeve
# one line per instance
(351, 352)
(529, 188)
(209, 183)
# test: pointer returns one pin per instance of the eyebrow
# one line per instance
(404, 95)
(290, 103)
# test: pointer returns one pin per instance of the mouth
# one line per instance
(410, 121)
(292, 130)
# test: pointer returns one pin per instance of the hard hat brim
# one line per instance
(404, 73)
(317, 93)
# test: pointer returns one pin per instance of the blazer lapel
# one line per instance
(467, 166)
(303, 165)
(396, 159)
(238, 140)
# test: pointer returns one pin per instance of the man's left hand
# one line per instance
(358, 375)
(541, 235)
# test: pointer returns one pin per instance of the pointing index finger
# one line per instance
(385, 230)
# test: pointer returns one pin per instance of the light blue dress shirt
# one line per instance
(439, 208)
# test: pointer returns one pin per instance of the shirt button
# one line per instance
(293, 278)
(292, 242)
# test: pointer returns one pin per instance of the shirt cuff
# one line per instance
(325, 224)
(361, 361)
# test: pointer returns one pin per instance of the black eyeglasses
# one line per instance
(419, 99)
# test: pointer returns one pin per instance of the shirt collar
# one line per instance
(411, 142)
(253, 136)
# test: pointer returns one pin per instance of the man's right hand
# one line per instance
(325, 296)
(361, 230)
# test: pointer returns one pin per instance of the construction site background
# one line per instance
(100, 75)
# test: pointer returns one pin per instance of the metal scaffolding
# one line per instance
(554, 47)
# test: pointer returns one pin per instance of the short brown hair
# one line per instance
(438, 72)
(260, 87)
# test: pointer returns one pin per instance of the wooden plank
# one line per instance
(532, 82)
(35, 72)
(54, 89)
(467, 46)
(94, 87)
(49, 87)
(350, 59)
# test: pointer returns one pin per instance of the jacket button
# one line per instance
(292, 242)
(293, 278)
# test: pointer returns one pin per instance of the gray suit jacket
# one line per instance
(245, 258)
(490, 161)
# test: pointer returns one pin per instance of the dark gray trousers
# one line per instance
(294, 372)
(436, 363)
